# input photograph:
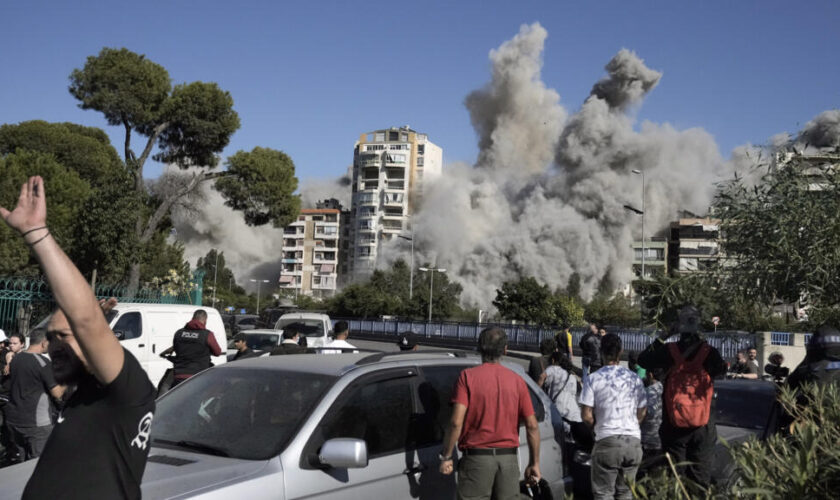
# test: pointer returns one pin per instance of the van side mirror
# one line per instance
(119, 334)
(344, 453)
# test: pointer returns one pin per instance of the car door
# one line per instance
(129, 330)
(378, 409)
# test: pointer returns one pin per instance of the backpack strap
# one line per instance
(702, 353)
(675, 353)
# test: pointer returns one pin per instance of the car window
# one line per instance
(307, 327)
(434, 394)
(730, 403)
(130, 326)
(377, 412)
(243, 412)
(262, 341)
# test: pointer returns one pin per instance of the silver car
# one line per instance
(312, 426)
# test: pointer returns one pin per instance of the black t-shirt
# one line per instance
(247, 353)
(100, 443)
(30, 404)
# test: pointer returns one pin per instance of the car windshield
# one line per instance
(262, 341)
(731, 404)
(238, 412)
(307, 327)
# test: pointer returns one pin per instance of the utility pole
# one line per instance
(431, 270)
(258, 282)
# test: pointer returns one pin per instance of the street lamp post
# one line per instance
(642, 173)
(431, 270)
(258, 282)
(411, 275)
(215, 274)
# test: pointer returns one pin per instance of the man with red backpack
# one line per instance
(690, 365)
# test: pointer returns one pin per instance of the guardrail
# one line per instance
(528, 337)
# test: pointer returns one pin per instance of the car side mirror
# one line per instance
(344, 453)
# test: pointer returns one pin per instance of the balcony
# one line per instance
(395, 185)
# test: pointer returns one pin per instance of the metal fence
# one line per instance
(528, 337)
(23, 299)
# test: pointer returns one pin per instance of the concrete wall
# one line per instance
(793, 350)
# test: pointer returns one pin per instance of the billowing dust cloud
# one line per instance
(250, 252)
(545, 197)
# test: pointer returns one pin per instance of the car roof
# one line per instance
(304, 315)
(340, 364)
(261, 331)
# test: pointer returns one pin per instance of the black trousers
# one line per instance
(696, 446)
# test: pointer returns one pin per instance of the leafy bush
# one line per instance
(803, 462)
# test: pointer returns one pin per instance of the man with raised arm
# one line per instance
(100, 443)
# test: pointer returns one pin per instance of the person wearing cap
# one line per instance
(488, 402)
(692, 445)
(242, 349)
(408, 342)
(822, 359)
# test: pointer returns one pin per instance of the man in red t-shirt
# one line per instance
(487, 403)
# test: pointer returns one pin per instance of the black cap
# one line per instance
(407, 341)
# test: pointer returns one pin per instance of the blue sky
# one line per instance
(309, 77)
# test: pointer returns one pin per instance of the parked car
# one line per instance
(742, 408)
(259, 341)
(313, 426)
(316, 327)
(235, 323)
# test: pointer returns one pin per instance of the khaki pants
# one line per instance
(483, 476)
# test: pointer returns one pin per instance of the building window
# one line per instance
(421, 149)
(379, 137)
(393, 136)
(404, 137)
(419, 161)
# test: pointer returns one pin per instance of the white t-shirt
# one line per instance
(341, 344)
(614, 393)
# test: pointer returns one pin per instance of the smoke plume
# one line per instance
(250, 252)
(822, 132)
(546, 195)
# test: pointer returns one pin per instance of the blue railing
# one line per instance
(529, 337)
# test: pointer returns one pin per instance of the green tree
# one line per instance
(189, 124)
(781, 235)
(67, 195)
(103, 240)
(525, 300)
(616, 310)
(567, 310)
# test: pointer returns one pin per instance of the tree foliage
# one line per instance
(529, 301)
(782, 234)
(189, 124)
(261, 184)
(387, 293)
(614, 310)
(68, 193)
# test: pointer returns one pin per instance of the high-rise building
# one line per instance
(390, 167)
(310, 252)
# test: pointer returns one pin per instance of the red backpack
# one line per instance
(689, 389)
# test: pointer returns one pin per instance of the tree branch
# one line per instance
(138, 181)
(166, 205)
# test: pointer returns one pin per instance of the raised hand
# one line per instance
(31, 209)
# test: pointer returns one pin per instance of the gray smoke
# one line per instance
(545, 197)
(250, 252)
(821, 132)
(628, 81)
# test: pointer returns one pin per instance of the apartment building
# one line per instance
(694, 245)
(656, 257)
(390, 167)
(311, 252)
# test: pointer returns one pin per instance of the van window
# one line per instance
(130, 325)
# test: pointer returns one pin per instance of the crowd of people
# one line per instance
(75, 386)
